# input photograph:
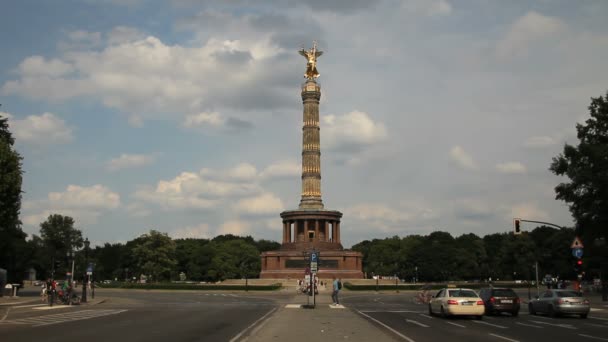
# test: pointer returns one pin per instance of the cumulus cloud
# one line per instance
(126, 161)
(461, 158)
(41, 130)
(427, 7)
(203, 119)
(540, 141)
(84, 204)
(144, 76)
(525, 31)
(529, 211)
(511, 167)
(263, 204)
(280, 169)
(351, 132)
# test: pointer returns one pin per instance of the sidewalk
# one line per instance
(324, 323)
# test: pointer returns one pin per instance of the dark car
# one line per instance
(557, 302)
(500, 299)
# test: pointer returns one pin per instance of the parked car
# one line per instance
(557, 302)
(453, 301)
(500, 299)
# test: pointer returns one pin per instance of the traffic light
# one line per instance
(516, 229)
(578, 265)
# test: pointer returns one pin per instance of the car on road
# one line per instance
(454, 301)
(560, 302)
(500, 299)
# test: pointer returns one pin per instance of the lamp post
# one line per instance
(70, 255)
(86, 275)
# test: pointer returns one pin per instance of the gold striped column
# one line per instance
(311, 150)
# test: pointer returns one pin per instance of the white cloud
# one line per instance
(525, 31)
(263, 204)
(96, 196)
(126, 161)
(284, 168)
(137, 209)
(234, 227)
(351, 131)
(540, 141)
(203, 119)
(124, 34)
(200, 231)
(511, 167)
(41, 130)
(243, 172)
(38, 66)
(459, 156)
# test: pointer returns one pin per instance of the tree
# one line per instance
(12, 238)
(154, 254)
(586, 165)
(59, 237)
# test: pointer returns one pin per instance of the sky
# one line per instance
(185, 116)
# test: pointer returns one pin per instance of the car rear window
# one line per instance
(504, 293)
(462, 293)
(568, 294)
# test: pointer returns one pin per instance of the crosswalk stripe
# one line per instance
(62, 318)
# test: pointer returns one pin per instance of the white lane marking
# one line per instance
(603, 319)
(28, 306)
(417, 323)
(597, 325)
(504, 338)
(293, 306)
(458, 325)
(387, 327)
(543, 317)
(566, 326)
(427, 316)
(490, 324)
(593, 337)
(235, 338)
(54, 307)
(223, 295)
(594, 309)
(338, 306)
(62, 318)
(528, 325)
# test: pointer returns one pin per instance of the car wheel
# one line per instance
(431, 311)
(583, 315)
(551, 312)
(531, 309)
(479, 318)
(443, 314)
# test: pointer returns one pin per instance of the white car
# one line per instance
(453, 301)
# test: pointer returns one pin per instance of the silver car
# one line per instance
(557, 302)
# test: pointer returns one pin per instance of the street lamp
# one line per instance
(86, 275)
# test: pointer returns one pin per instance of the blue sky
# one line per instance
(185, 116)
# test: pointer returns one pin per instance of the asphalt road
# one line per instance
(411, 322)
(139, 316)
(131, 315)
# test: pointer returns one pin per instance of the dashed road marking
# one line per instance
(54, 307)
(490, 324)
(528, 325)
(594, 337)
(600, 318)
(458, 325)
(504, 338)
(427, 316)
(28, 306)
(597, 325)
(387, 327)
(417, 323)
(565, 326)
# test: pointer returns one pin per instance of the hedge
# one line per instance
(198, 287)
(434, 286)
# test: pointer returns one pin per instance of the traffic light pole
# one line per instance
(541, 222)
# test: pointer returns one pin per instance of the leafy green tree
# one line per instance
(59, 237)
(586, 165)
(154, 255)
(12, 238)
(233, 259)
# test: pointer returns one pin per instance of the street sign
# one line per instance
(577, 243)
(314, 267)
(577, 252)
(90, 269)
(313, 257)
(89, 273)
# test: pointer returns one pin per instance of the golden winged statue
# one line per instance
(311, 55)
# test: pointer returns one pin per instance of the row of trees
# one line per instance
(440, 257)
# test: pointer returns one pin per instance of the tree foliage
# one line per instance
(12, 238)
(586, 165)
(154, 255)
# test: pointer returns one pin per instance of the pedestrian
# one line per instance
(337, 285)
